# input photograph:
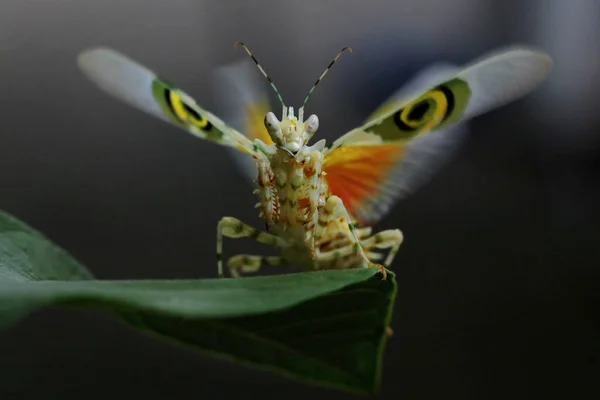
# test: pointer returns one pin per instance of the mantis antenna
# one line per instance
(261, 70)
(325, 73)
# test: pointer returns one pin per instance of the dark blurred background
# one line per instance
(500, 270)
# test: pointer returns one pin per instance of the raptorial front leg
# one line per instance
(335, 209)
(312, 173)
(234, 228)
(250, 263)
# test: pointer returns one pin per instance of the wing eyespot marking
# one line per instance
(185, 113)
(419, 110)
(426, 112)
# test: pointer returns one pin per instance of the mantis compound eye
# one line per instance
(312, 124)
(273, 128)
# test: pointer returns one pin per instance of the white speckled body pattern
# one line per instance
(312, 228)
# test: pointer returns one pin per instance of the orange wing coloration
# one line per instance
(243, 103)
(254, 121)
(370, 176)
(360, 176)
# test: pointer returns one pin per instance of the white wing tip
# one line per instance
(528, 53)
(90, 57)
(93, 52)
(533, 53)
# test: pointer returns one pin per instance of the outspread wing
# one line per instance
(413, 134)
(134, 84)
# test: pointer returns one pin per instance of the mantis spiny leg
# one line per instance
(334, 213)
(389, 239)
(250, 263)
(234, 228)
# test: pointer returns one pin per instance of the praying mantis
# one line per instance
(319, 202)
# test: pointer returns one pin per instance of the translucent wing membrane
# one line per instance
(371, 175)
(370, 167)
(500, 78)
(141, 88)
(390, 157)
(395, 155)
(482, 86)
(242, 101)
(359, 175)
(424, 79)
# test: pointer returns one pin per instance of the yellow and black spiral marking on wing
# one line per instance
(181, 112)
(425, 113)
(441, 105)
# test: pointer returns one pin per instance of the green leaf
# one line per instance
(327, 328)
